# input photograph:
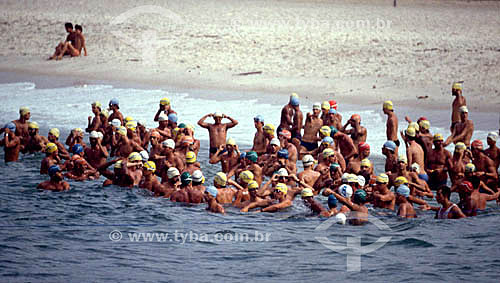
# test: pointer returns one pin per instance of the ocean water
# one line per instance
(57, 237)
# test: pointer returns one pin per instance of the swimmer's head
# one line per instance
(424, 124)
(165, 101)
(252, 156)
(258, 119)
(456, 88)
(198, 177)
(333, 104)
(285, 134)
(269, 129)
(390, 145)
(55, 132)
(134, 157)
(114, 103)
(470, 168)
(360, 196)
(116, 123)
(327, 141)
(366, 163)
(172, 172)
(50, 148)
(144, 155)
(477, 145)
(382, 178)
(281, 188)
(190, 157)
(492, 136)
(364, 147)
(11, 126)
(307, 160)
(77, 149)
(345, 190)
(356, 118)
(388, 105)
(53, 170)
(150, 166)
(212, 191)
(283, 153)
(172, 117)
(317, 106)
(325, 131)
(410, 132)
(327, 152)
(438, 138)
(168, 143)
(306, 193)
(23, 111)
(186, 179)
(332, 201)
(246, 176)
(400, 181)
(325, 105)
(97, 104)
(460, 147)
(122, 131)
(403, 190)
(220, 179)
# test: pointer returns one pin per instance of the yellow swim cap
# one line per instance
(460, 147)
(134, 157)
(306, 193)
(55, 132)
(132, 125)
(150, 166)
(411, 132)
(51, 147)
(438, 137)
(425, 124)
(328, 152)
(383, 178)
(269, 128)
(78, 130)
(366, 162)
(190, 126)
(175, 131)
(470, 167)
(400, 180)
(457, 86)
(128, 119)
(388, 105)
(165, 101)
(122, 130)
(24, 110)
(325, 130)
(97, 104)
(402, 158)
(190, 157)
(282, 188)
(325, 105)
(220, 179)
(352, 178)
(33, 125)
(246, 176)
(231, 141)
(105, 112)
(253, 185)
(118, 164)
(414, 125)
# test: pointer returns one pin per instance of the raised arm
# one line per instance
(232, 123)
(202, 122)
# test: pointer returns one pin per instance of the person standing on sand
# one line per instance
(456, 90)
(217, 131)
(392, 123)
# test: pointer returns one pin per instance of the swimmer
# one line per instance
(485, 167)
(171, 182)
(227, 154)
(75, 137)
(392, 123)
(260, 142)
(311, 128)
(197, 189)
(279, 200)
(345, 144)
(80, 171)
(114, 105)
(36, 143)
(308, 199)
(149, 180)
(287, 113)
(211, 199)
(281, 161)
(56, 182)
(94, 123)
(462, 131)
(448, 210)
(254, 167)
(225, 194)
(124, 146)
(309, 175)
(405, 208)
(476, 201)
(391, 158)
(493, 152)
(169, 158)
(181, 195)
(11, 143)
(458, 161)
(332, 206)
(52, 158)
(285, 138)
(96, 154)
(359, 212)
(114, 177)
(382, 196)
(53, 137)
(164, 107)
(254, 198)
(459, 101)
(132, 170)
(438, 163)
(414, 152)
(191, 164)
(297, 122)
(217, 131)
(22, 125)
(357, 132)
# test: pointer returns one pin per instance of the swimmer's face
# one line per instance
(229, 148)
(146, 172)
(316, 111)
(274, 148)
(455, 92)
(218, 120)
(400, 198)
(401, 165)
(95, 109)
(438, 144)
(464, 115)
(93, 141)
(27, 116)
(366, 152)
(51, 137)
(32, 132)
(439, 197)
(364, 168)
(252, 192)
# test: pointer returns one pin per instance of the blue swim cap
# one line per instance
(332, 111)
(172, 117)
(390, 145)
(424, 177)
(332, 201)
(328, 140)
(114, 101)
(283, 153)
(77, 148)
(294, 101)
(403, 190)
(53, 170)
(334, 131)
(211, 190)
(182, 126)
(243, 155)
(259, 118)
(11, 126)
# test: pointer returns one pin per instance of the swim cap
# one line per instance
(317, 106)
(460, 147)
(463, 109)
(275, 141)
(294, 101)
(53, 170)
(253, 185)
(340, 218)
(307, 160)
(231, 141)
(122, 130)
(325, 131)
(246, 176)
(144, 155)
(325, 105)
(165, 101)
(220, 179)
(150, 166)
(243, 155)
(162, 117)
(134, 157)
(415, 167)
(334, 166)
(116, 123)
(333, 131)
(282, 172)
(402, 158)
(198, 177)
(492, 136)
(360, 196)
(344, 177)
(438, 137)
(50, 147)
(33, 125)
(94, 135)
(131, 125)
(388, 105)
(24, 110)
(352, 178)
(333, 104)
(390, 145)
(328, 152)
(332, 111)
(382, 178)
(118, 164)
(282, 188)
(212, 191)
(477, 144)
(345, 190)
(363, 146)
(332, 201)
(100, 135)
(424, 124)
(190, 126)
(411, 132)
(114, 101)
(188, 140)
(190, 157)
(457, 86)
(186, 178)
(172, 172)
(182, 126)
(286, 134)
(11, 126)
(403, 190)
(400, 180)
(172, 117)
(259, 118)
(356, 117)
(414, 125)
(105, 113)
(269, 128)
(97, 104)
(77, 148)
(155, 134)
(306, 193)
(467, 186)
(283, 153)
(470, 167)
(366, 162)
(252, 156)
(169, 143)
(361, 181)
(327, 140)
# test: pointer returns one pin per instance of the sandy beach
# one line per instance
(352, 51)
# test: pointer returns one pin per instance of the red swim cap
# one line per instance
(356, 117)
(422, 119)
(363, 146)
(188, 140)
(467, 186)
(286, 134)
(477, 144)
(333, 104)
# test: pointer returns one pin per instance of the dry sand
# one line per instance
(353, 51)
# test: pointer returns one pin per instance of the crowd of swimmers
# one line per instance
(335, 158)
